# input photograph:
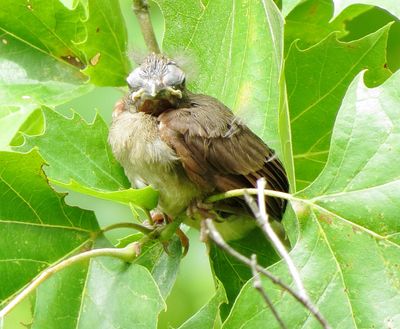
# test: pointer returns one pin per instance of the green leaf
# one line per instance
(241, 63)
(311, 21)
(105, 45)
(11, 118)
(71, 4)
(232, 273)
(103, 293)
(163, 266)
(369, 22)
(143, 198)
(124, 241)
(348, 252)
(317, 79)
(238, 51)
(36, 226)
(208, 314)
(33, 125)
(391, 6)
(289, 5)
(29, 77)
(80, 159)
(73, 37)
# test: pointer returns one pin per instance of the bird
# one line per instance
(188, 146)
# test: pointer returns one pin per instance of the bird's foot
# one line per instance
(159, 220)
(184, 242)
(200, 207)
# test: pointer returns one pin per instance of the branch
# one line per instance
(250, 191)
(257, 284)
(126, 254)
(137, 227)
(141, 10)
(212, 232)
(261, 215)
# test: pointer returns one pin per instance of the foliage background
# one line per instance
(186, 297)
(327, 64)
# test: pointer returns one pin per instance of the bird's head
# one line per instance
(157, 84)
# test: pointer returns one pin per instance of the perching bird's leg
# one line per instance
(182, 236)
(159, 219)
(199, 207)
(184, 241)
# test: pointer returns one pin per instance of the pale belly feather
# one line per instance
(135, 142)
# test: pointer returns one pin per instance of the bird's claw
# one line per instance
(184, 242)
(158, 221)
(157, 217)
(198, 206)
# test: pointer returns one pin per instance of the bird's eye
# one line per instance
(134, 80)
(174, 77)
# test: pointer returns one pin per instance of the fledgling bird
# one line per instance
(187, 146)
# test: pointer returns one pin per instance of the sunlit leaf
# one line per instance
(162, 265)
(370, 21)
(391, 6)
(232, 273)
(348, 252)
(103, 293)
(317, 79)
(29, 76)
(289, 5)
(237, 48)
(311, 21)
(105, 46)
(32, 125)
(207, 315)
(68, 39)
(37, 227)
(80, 159)
(11, 119)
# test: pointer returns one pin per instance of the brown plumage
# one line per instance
(188, 145)
(219, 153)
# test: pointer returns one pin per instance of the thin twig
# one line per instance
(137, 227)
(257, 284)
(251, 191)
(126, 254)
(141, 10)
(212, 232)
(261, 215)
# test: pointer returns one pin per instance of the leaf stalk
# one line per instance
(127, 254)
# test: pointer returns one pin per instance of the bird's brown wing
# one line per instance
(218, 152)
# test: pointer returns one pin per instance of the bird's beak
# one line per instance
(149, 91)
(137, 94)
(153, 89)
(174, 92)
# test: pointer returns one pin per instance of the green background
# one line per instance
(186, 297)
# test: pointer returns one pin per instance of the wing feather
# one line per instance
(218, 152)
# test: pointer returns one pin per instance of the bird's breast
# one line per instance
(135, 140)
(136, 143)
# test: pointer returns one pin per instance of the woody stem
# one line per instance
(141, 10)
